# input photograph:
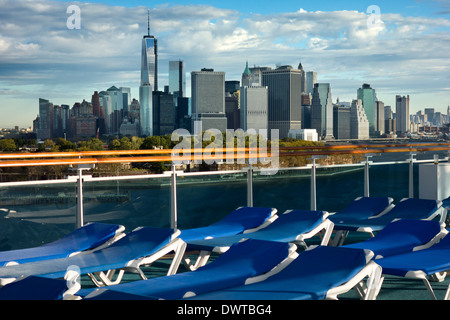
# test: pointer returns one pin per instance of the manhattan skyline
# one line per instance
(406, 54)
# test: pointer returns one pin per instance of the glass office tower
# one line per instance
(149, 63)
(322, 110)
(177, 78)
(368, 97)
(149, 81)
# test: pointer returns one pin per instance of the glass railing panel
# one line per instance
(205, 199)
(338, 186)
(36, 214)
(130, 202)
(286, 189)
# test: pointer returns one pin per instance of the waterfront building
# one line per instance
(368, 97)
(254, 108)
(402, 114)
(359, 124)
(285, 85)
(208, 99)
(322, 111)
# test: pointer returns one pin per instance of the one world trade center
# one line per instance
(149, 81)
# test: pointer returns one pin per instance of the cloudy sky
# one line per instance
(404, 51)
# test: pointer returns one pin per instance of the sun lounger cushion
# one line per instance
(242, 261)
(34, 288)
(139, 243)
(286, 228)
(85, 238)
(236, 222)
(406, 209)
(362, 208)
(309, 277)
(400, 236)
(432, 260)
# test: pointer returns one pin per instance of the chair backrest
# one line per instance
(296, 221)
(248, 217)
(364, 207)
(89, 236)
(412, 208)
(85, 238)
(259, 256)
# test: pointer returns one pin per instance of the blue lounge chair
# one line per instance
(321, 273)
(294, 226)
(403, 236)
(88, 237)
(143, 246)
(243, 263)
(420, 209)
(41, 288)
(432, 262)
(241, 220)
(363, 208)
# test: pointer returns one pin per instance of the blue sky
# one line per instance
(406, 53)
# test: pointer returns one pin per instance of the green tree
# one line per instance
(151, 142)
(114, 145)
(93, 144)
(65, 146)
(48, 145)
(8, 145)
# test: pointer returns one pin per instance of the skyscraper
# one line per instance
(149, 60)
(368, 97)
(311, 80)
(322, 110)
(359, 125)
(146, 109)
(402, 114)
(246, 76)
(254, 107)
(45, 128)
(149, 81)
(208, 99)
(285, 98)
(177, 78)
(379, 118)
(302, 78)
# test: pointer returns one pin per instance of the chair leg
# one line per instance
(430, 289)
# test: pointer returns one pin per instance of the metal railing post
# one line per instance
(411, 175)
(313, 200)
(313, 194)
(80, 211)
(366, 174)
(173, 198)
(249, 185)
(80, 203)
